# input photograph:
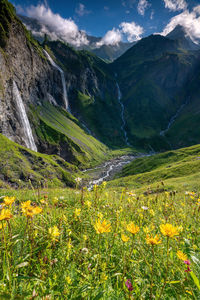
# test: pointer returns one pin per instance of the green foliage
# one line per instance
(175, 169)
(76, 244)
(57, 127)
(19, 165)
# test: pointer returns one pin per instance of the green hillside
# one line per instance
(92, 93)
(21, 167)
(153, 76)
(179, 169)
(64, 135)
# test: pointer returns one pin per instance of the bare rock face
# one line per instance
(25, 64)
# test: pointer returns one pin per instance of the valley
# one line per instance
(99, 157)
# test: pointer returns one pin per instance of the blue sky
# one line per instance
(97, 17)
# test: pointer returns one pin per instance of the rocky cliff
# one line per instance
(28, 81)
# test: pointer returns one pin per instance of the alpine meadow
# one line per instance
(100, 150)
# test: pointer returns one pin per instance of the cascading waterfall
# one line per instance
(65, 97)
(122, 114)
(29, 140)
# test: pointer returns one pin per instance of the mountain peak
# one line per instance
(177, 32)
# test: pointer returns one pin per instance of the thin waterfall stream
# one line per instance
(65, 96)
(29, 140)
(119, 96)
(173, 119)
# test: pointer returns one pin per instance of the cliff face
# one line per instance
(26, 70)
(22, 61)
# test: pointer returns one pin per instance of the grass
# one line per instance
(177, 169)
(57, 127)
(20, 166)
(66, 251)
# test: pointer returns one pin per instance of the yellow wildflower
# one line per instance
(169, 230)
(54, 233)
(25, 205)
(68, 279)
(29, 210)
(77, 212)
(5, 215)
(124, 238)
(150, 240)
(181, 255)
(88, 203)
(132, 228)
(189, 292)
(102, 226)
(8, 201)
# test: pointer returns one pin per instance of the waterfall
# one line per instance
(65, 97)
(29, 140)
(173, 119)
(122, 114)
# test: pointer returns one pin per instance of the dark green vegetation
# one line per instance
(20, 167)
(153, 76)
(179, 169)
(93, 92)
(7, 13)
(61, 133)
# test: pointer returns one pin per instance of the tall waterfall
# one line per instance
(65, 97)
(122, 114)
(29, 140)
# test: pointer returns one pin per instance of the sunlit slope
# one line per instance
(56, 127)
(176, 169)
(21, 167)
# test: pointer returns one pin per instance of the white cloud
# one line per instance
(81, 10)
(56, 26)
(112, 37)
(175, 5)
(189, 20)
(142, 6)
(132, 30)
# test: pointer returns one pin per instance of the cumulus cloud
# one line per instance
(81, 10)
(131, 31)
(57, 27)
(112, 37)
(189, 20)
(142, 6)
(175, 5)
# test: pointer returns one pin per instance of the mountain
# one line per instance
(179, 34)
(107, 52)
(92, 91)
(153, 76)
(32, 103)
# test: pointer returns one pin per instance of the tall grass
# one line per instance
(99, 244)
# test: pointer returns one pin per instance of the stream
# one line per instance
(107, 170)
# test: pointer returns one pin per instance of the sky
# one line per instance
(113, 20)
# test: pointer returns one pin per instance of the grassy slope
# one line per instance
(61, 126)
(147, 73)
(18, 165)
(99, 109)
(177, 169)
